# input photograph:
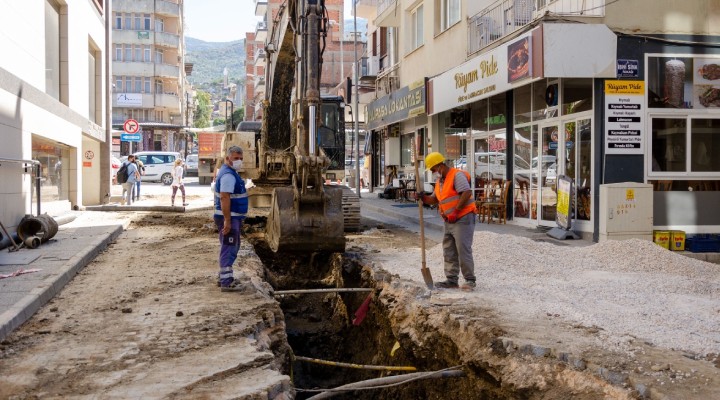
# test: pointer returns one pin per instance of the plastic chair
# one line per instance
(498, 207)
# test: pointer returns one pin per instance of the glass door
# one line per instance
(577, 164)
(545, 167)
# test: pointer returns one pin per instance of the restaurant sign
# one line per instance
(397, 106)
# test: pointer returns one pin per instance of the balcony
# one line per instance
(121, 68)
(167, 9)
(259, 84)
(260, 8)
(169, 101)
(261, 32)
(260, 58)
(507, 16)
(167, 71)
(164, 39)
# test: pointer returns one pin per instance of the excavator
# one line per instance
(302, 139)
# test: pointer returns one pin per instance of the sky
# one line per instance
(225, 20)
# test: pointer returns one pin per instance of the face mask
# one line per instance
(237, 164)
(436, 176)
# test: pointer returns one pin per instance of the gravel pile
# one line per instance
(629, 289)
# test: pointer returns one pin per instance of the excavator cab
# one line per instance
(306, 215)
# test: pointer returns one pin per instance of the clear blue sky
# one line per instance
(225, 20)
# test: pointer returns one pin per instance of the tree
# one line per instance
(238, 115)
(203, 109)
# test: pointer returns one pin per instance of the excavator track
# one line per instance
(351, 210)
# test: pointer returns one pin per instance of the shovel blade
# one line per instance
(427, 276)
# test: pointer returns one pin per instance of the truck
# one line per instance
(209, 151)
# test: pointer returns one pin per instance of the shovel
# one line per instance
(424, 269)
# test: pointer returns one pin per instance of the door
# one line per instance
(545, 172)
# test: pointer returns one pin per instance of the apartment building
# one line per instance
(598, 91)
(53, 106)
(148, 68)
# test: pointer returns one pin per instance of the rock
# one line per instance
(126, 310)
(660, 367)
(53, 309)
(179, 314)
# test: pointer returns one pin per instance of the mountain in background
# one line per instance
(211, 58)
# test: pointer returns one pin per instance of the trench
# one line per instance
(320, 326)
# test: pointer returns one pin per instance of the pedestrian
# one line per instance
(177, 174)
(141, 171)
(454, 198)
(365, 173)
(231, 205)
(129, 185)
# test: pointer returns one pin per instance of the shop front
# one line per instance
(523, 113)
(399, 125)
(679, 135)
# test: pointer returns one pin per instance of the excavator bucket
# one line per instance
(310, 224)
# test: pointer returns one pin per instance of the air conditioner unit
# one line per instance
(373, 65)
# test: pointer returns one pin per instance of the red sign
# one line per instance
(131, 126)
(87, 163)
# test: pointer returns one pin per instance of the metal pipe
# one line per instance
(36, 164)
(355, 366)
(330, 290)
(312, 129)
(312, 92)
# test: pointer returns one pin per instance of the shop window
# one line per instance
(577, 95)
(523, 103)
(497, 119)
(479, 116)
(669, 144)
(543, 105)
(705, 143)
(421, 142)
(406, 143)
(670, 83)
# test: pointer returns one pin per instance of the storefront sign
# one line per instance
(128, 99)
(143, 35)
(399, 105)
(562, 216)
(488, 74)
(628, 68)
(624, 107)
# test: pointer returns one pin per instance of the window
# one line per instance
(159, 25)
(52, 50)
(118, 84)
(417, 28)
(128, 52)
(138, 54)
(146, 22)
(577, 95)
(147, 54)
(669, 144)
(449, 13)
(94, 84)
(118, 52)
(705, 142)
(158, 88)
(128, 21)
(138, 22)
(138, 84)
(128, 84)
(147, 85)
(406, 149)
(118, 21)
(159, 56)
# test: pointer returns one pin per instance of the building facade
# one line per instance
(534, 90)
(148, 54)
(53, 92)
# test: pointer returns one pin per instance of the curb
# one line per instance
(21, 311)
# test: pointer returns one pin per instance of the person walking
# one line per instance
(129, 185)
(141, 171)
(177, 174)
(454, 198)
(365, 173)
(231, 205)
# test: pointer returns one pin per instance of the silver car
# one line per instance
(191, 165)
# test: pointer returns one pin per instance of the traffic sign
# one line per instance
(131, 126)
(126, 137)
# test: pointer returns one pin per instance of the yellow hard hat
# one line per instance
(433, 159)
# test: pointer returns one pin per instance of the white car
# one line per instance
(158, 165)
(191, 165)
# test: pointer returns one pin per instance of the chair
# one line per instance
(499, 207)
(410, 193)
(487, 195)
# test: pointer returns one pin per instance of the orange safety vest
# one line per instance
(448, 197)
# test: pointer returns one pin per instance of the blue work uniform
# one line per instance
(228, 181)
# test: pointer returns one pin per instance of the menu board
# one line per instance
(624, 110)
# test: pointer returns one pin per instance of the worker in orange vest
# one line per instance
(454, 198)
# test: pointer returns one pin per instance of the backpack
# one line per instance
(122, 174)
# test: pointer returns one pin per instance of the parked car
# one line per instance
(547, 162)
(115, 164)
(158, 165)
(191, 165)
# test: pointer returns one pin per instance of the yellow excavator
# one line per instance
(306, 211)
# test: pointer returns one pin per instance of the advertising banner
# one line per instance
(624, 108)
(564, 191)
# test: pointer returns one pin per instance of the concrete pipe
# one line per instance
(32, 242)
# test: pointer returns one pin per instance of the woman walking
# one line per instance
(177, 175)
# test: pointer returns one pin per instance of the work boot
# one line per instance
(468, 286)
(446, 285)
(235, 286)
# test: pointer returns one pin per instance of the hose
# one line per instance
(355, 366)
